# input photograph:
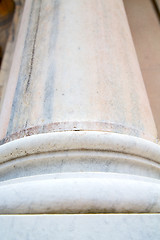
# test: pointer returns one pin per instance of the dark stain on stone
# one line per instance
(73, 126)
(33, 49)
(17, 104)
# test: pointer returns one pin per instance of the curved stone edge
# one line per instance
(78, 161)
(79, 140)
(78, 126)
(80, 193)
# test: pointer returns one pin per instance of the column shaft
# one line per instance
(78, 71)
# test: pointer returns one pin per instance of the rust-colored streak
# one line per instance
(76, 126)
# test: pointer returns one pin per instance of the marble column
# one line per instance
(77, 132)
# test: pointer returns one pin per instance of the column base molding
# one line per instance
(79, 172)
(79, 151)
(80, 193)
(81, 227)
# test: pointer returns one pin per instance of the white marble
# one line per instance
(82, 151)
(80, 193)
(81, 227)
(78, 140)
(78, 161)
(75, 68)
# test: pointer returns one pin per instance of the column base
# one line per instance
(73, 193)
(80, 227)
(79, 151)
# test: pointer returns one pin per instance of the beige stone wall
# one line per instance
(145, 30)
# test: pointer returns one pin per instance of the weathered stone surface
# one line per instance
(81, 227)
(80, 193)
(79, 151)
(77, 71)
(77, 107)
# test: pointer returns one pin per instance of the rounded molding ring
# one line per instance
(79, 151)
(79, 140)
(80, 193)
